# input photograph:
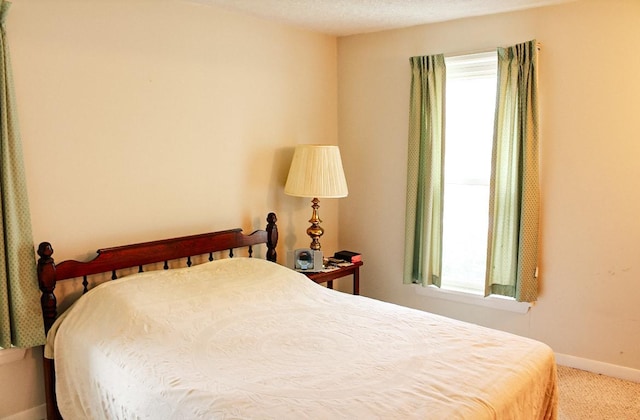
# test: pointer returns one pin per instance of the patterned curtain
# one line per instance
(423, 223)
(21, 323)
(514, 201)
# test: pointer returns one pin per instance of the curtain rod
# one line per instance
(482, 51)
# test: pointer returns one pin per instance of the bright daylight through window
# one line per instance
(470, 110)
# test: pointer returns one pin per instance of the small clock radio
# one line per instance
(305, 259)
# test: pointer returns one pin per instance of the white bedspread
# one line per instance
(246, 338)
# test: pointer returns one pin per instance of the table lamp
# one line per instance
(316, 171)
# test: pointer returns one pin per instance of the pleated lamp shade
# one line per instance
(316, 171)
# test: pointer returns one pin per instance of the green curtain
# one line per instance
(21, 323)
(423, 223)
(514, 201)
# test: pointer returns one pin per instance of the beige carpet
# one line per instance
(585, 395)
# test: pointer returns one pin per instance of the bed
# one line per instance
(243, 337)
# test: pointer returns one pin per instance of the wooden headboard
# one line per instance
(110, 260)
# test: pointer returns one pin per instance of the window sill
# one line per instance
(11, 355)
(492, 301)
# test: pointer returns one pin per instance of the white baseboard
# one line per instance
(35, 413)
(620, 372)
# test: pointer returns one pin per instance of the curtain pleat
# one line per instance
(423, 223)
(21, 323)
(514, 200)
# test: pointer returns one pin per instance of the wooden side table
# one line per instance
(330, 275)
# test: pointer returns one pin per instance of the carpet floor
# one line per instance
(589, 396)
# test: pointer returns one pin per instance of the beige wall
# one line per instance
(590, 149)
(154, 118)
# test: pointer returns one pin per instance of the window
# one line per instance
(469, 120)
(453, 170)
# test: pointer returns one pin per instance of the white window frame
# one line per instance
(469, 71)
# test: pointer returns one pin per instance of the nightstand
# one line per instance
(330, 274)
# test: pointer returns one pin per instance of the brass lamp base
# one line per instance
(315, 231)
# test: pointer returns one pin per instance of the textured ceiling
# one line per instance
(348, 17)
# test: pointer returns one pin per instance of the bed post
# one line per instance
(47, 283)
(272, 237)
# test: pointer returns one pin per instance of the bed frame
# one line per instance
(110, 260)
